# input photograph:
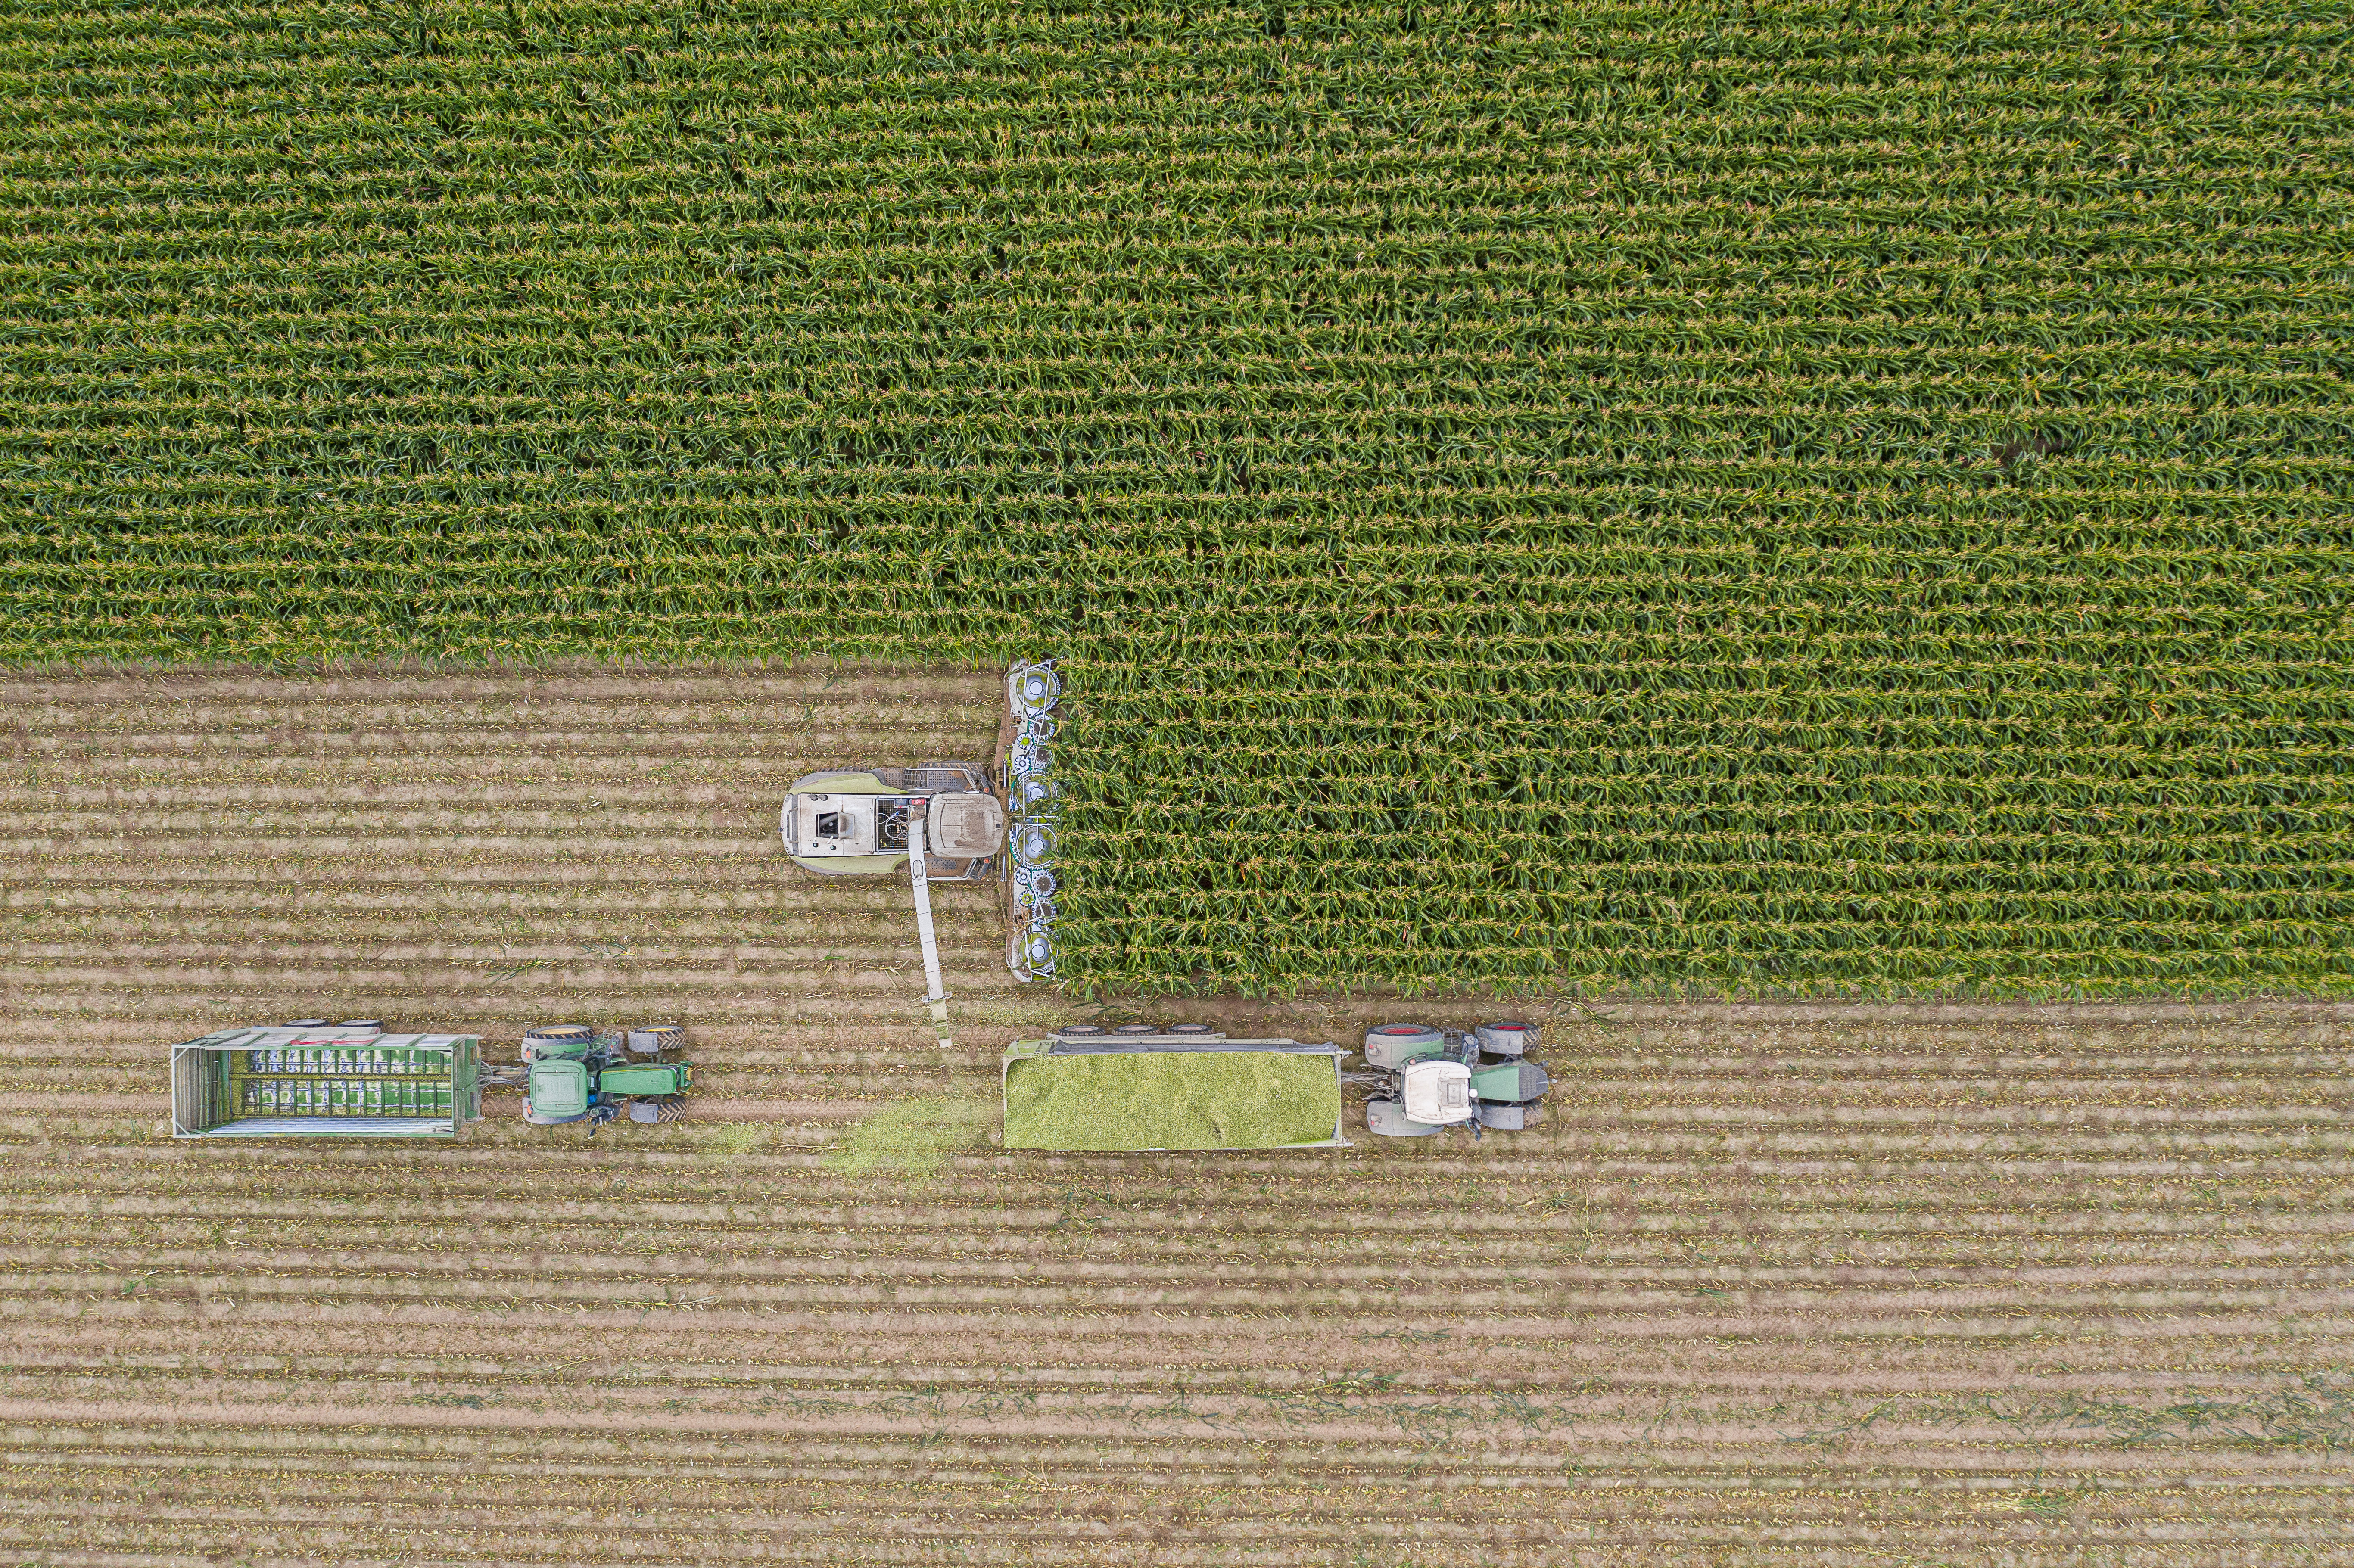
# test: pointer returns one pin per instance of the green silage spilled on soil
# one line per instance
(911, 1138)
(1240, 1099)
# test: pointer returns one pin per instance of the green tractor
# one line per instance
(571, 1072)
(312, 1079)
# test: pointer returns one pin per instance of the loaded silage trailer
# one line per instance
(337, 1081)
(1162, 1090)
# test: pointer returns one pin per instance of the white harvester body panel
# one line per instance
(827, 825)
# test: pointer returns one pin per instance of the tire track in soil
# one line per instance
(1844, 1283)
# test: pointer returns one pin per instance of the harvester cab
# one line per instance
(866, 823)
(1424, 1080)
(571, 1073)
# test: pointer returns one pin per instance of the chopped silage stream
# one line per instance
(1241, 1100)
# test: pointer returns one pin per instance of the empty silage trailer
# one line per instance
(337, 1080)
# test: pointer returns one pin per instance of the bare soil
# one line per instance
(1876, 1283)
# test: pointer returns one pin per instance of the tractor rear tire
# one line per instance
(1390, 1046)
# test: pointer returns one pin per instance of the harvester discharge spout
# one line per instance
(936, 995)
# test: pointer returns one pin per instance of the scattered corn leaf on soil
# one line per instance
(1168, 1101)
(912, 1137)
(1809, 497)
(1848, 1285)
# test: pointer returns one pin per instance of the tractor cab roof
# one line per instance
(1438, 1092)
(557, 1086)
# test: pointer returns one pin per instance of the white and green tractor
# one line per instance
(1424, 1080)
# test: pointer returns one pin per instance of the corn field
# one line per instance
(1786, 498)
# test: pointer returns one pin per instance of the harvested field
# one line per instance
(1891, 1284)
